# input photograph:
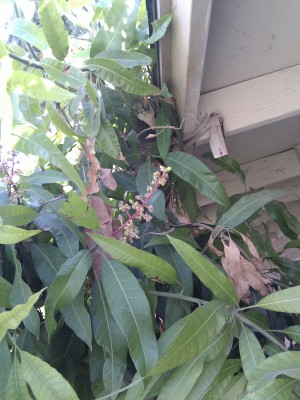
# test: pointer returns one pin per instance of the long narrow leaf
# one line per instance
(34, 86)
(17, 215)
(206, 271)
(250, 351)
(40, 145)
(44, 381)
(287, 363)
(192, 170)
(11, 234)
(286, 300)
(189, 336)
(151, 265)
(28, 31)
(247, 206)
(11, 319)
(119, 76)
(16, 387)
(53, 28)
(130, 308)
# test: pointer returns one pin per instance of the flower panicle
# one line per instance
(139, 209)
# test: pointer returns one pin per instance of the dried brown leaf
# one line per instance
(107, 178)
(93, 186)
(213, 248)
(242, 273)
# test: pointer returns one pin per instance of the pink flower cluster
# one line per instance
(140, 207)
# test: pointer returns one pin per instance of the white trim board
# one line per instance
(274, 172)
(256, 102)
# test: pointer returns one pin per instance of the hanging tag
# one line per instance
(217, 143)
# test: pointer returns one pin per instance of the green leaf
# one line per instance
(78, 319)
(53, 28)
(5, 365)
(125, 58)
(159, 28)
(227, 164)
(67, 285)
(182, 380)
(287, 222)
(280, 389)
(17, 215)
(151, 265)
(187, 196)
(107, 140)
(5, 291)
(290, 267)
(143, 180)
(44, 381)
(22, 82)
(212, 370)
(286, 300)
(119, 76)
(189, 336)
(247, 206)
(68, 76)
(28, 31)
(192, 170)
(21, 292)
(16, 385)
(65, 238)
(47, 260)
(130, 308)
(119, 19)
(184, 273)
(163, 135)
(292, 331)
(61, 125)
(12, 319)
(91, 117)
(207, 272)
(42, 177)
(11, 234)
(250, 351)
(30, 108)
(38, 144)
(108, 335)
(80, 212)
(286, 363)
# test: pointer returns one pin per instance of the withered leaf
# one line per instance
(242, 273)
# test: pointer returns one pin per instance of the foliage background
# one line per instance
(110, 286)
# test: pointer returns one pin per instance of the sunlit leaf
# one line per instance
(192, 170)
(42, 177)
(44, 381)
(107, 140)
(280, 389)
(53, 28)
(130, 308)
(23, 82)
(80, 212)
(12, 319)
(151, 265)
(159, 28)
(119, 76)
(69, 76)
(17, 215)
(125, 58)
(38, 144)
(11, 234)
(28, 31)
